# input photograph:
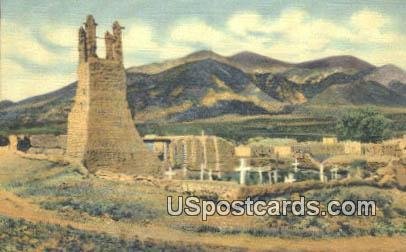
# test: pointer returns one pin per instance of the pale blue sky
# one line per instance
(38, 38)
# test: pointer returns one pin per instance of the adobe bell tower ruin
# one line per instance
(101, 132)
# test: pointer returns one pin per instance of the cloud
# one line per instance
(244, 22)
(18, 41)
(139, 37)
(18, 82)
(60, 35)
(26, 63)
(171, 50)
(369, 20)
(142, 43)
(195, 32)
(294, 35)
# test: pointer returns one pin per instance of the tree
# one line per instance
(365, 125)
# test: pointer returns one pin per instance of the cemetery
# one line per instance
(204, 164)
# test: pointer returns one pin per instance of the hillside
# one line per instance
(196, 88)
(6, 103)
(344, 62)
(387, 74)
(359, 93)
(252, 62)
(206, 85)
(390, 76)
(246, 61)
(155, 68)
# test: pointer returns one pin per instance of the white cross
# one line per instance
(275, 175)
(170, 172)
(243, 170)
(334, 172)
(260, 176)
(321, 173)
(165, 151)
(295, 164)
(290, 178)
(210, 175)
(202, 172)
(219, 174)
(270, 177)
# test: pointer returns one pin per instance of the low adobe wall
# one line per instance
(47, 144)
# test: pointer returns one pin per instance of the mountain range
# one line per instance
(205, 84)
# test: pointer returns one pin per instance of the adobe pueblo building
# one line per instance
(101, 132)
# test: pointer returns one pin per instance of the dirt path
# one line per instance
(17, 207)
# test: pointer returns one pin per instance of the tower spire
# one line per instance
(90, 27)
(109, 39)
(118, 45)
(82, 45)
(101, 131)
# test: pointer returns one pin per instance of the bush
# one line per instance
(115, 210)
(365, 125)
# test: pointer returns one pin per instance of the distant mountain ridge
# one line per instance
(386, 74)
(155, 68)
(6, 103)
(205, 84)
(246, 61)
(253, 62)
(344, 61)
(359, 93)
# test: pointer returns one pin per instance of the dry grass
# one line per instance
(15, 168)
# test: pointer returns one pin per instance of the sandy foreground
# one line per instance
(14, 206)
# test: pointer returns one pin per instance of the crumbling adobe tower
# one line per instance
(101, 132)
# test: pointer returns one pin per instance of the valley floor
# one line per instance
(34, 215)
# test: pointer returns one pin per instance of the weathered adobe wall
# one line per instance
(329, 140)
(213, 152)
(400, 171)
(44, 147)
(393, 147)
(352, 148)
(206, 189)
(101, 132)
(318, 148)
(48, 141)
(78, 116)
(282, 151)
(242, 151)
(47, 144)
(385, 149)
(37, 144)
(233, 191)
(287, 151)
(261, 150)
